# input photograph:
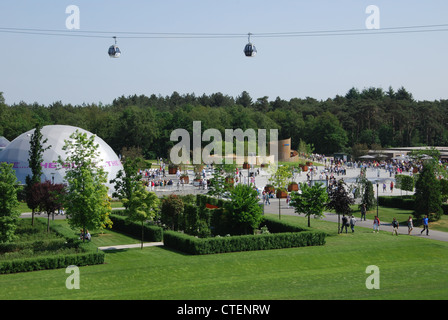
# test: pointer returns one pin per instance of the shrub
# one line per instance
(400, 202)
(51, 262)
(151, 233)
(172, 211)
(267, 241)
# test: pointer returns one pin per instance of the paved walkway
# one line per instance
(130, 246)
(368, 223)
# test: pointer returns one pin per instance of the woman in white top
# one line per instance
(410, 225)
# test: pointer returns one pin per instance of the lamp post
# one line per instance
(377, 186)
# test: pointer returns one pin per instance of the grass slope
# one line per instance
(410, 268)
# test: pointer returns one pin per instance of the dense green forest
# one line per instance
(360, 119)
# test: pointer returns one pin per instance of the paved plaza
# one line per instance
(373, 174)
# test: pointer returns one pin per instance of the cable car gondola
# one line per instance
(114, 51)
(249, 49)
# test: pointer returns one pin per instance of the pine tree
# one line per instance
(428, 197)
(35, 159)
(368, 197)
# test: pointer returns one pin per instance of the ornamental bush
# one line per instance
(151, 233)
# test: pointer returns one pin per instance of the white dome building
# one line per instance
(17, 153)
(3, 143)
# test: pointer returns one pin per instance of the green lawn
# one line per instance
(410, 268)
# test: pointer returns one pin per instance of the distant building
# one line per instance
(17, 152)
(285, 153)
(397, 152)
(3, 143)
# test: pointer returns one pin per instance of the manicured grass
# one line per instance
(410, 268)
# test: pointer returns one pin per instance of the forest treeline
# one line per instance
(359, 120)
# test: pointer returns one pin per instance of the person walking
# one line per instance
(391, 186)
(376, 224)
(410, 225)
(363, 211)
(425, 225)
(352, 223)
(267, 202)
(344, 223)
(395, 225)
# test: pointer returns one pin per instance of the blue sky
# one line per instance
(76, 70)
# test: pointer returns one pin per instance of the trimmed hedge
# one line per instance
(288, 236)
(40, 245)
(69, 240)
(150, 233)
(400, 202)
(276, 226)
(51, 262)
(198, 246)
(403, 202)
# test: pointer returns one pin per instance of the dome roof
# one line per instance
(3, 142)
(17, 153)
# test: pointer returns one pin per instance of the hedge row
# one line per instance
(150, 233)
(282, 235)
(275, 225)
(400, 202)
(40, 245)
(51, 262)
(403, 202)
(198, 246)
(69, 240)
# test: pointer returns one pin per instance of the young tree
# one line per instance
(35, 159)
(340, 200)
(86, 201)
(9, 213)
(127, 180)
(280, 180)
(48, 197)
(142, 206)
(243, 210)
(217, 183)
(311, 201)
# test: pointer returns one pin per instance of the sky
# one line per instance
(76, 69)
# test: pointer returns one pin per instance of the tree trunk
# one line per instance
(339, 216)
(32, 218)
(279, 214)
